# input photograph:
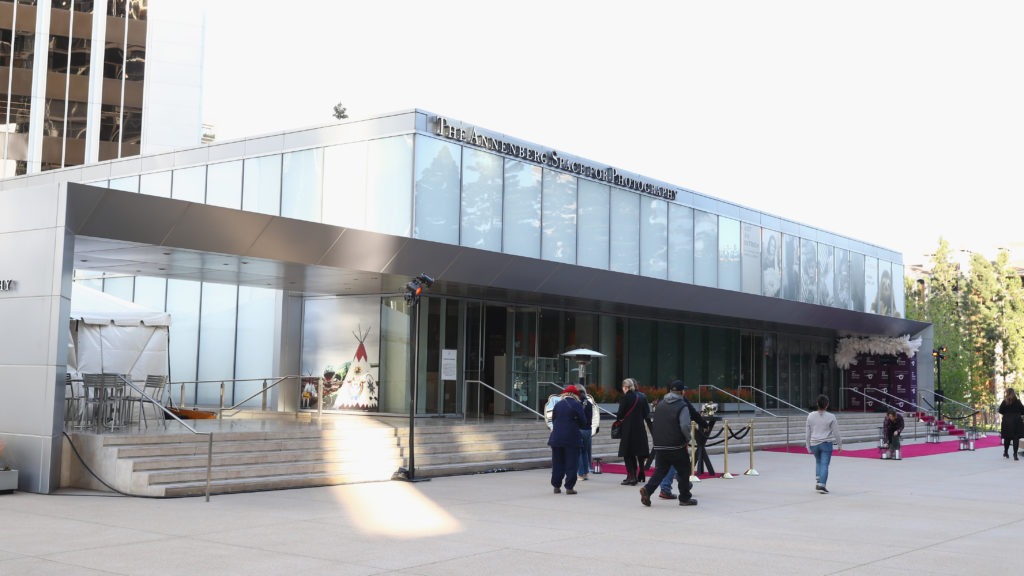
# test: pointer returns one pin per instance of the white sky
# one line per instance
(891, 121)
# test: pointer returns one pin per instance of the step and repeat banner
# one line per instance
(883, 380)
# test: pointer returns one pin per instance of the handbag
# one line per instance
(617, 425)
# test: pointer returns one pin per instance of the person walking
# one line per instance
(567, 420)
(635, 414)
(1012, 427)
(822, 435)
(671, 432)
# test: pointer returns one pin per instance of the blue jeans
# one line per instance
(822, 456)
(585, 454)
(666, 484)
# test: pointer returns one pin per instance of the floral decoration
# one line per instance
(847, 349)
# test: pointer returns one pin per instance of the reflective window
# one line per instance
(808, 271)
(301, 184)
(521, 217)
(128, 184)
(224, 184)
(558, 217)
(183, 340)
(261, 185)
(482, 179)
(771, 263)
(885, 302)
(388, 187)
(156, 184)
(254, 352)
(729, 269)
(189, 184)
(870, 283)
(680, 243)
(438, 172)
(842, 299)
(625, 232)
(151, 292)
(593, 224)
(857, 280)
(653, 237)
(217, 341)
(345, 185)
(899, 292)
(751, 258)
(705, 249)
(120, 286)
(790, 267)
(826, 275)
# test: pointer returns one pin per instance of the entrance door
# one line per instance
(755, 360)
(485, 333)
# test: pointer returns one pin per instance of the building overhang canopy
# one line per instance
(134, 234)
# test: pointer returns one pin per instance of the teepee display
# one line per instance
(358, 386)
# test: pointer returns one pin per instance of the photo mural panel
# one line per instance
(878, 381)
(341, 350)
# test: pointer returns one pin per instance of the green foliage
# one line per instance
(978, 315)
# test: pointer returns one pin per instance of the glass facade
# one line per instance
(428, 188)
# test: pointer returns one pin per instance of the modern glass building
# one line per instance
(290, 254)
(73, 79)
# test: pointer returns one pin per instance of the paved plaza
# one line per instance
(957, 513)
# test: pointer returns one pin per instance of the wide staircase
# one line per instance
(267, 452)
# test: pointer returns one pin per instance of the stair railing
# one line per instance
(864, 407)
(776, 398)
(173, 416)
(499, 393)
(263, 391)
(756, 408)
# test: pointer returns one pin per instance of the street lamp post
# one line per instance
(939, 354)
(413, 290)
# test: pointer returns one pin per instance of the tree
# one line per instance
(938, 302)
(340, 111)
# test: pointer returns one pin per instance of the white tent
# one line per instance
(116, 336)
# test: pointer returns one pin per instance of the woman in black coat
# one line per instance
(1012, 427)
(635, 413)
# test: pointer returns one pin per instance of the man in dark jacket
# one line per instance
(671, 437)
(892, 429)
(567, 419)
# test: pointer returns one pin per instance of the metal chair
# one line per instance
(72, 402)
(105, 401)
(154, 388)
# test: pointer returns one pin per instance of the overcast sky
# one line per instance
(893, 122)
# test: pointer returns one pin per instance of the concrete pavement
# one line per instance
(946, 514)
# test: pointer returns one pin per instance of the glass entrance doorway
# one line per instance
(758, 369)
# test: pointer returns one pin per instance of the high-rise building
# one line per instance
(76, 78)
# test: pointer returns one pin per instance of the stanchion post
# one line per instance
(725, 465)
(751, 471)
(693, 451)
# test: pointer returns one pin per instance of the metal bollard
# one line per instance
(725, 465)
(751, 471)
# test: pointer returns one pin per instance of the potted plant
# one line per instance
(8, 476)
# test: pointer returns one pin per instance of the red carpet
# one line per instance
(908, 450)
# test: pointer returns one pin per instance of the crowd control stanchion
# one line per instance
(725, 465)
(693, 451)
(751, 471)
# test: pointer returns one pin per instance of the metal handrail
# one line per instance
(776, 398)
(263, 391)
(969, 408)
(209, 435)
(866, 397)
(894, 397)
(738, 399)
(181, 384)
(500, 393)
